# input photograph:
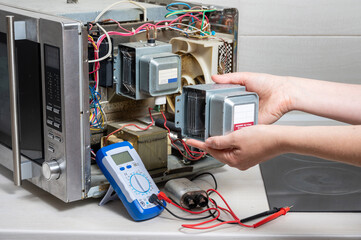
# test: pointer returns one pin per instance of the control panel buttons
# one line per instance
(50, 122)
(57, 125)
(51, 149)
(129, 166)
(57, 138)
(50, 135)
(49, 108)
(55, 110)
(122, 168)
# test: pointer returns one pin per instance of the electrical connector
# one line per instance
(153, 199)
(162, 196)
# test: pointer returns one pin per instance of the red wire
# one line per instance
(162, 196)
(132, 124)
(199, 225)
(186, 148)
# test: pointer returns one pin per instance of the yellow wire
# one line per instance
(93, 42)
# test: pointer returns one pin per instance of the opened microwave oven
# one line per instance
(46, 84)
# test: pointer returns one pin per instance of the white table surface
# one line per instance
(30, 213)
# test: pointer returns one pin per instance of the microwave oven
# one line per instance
(48, 131)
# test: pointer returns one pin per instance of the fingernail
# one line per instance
(209, 142)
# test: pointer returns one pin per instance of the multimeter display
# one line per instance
(121, 158)
(125, 171)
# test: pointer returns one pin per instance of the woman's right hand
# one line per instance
(275, 92)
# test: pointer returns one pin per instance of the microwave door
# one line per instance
(29, 106)
(53, 107)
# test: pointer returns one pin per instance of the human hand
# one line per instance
(244, 148)
(275, 92)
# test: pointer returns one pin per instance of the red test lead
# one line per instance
(282, 211)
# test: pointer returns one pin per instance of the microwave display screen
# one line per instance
(52, 58)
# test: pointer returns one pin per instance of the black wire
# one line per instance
(207, 173)
(183, 218)
(215, 188)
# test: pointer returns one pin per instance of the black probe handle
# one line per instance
(259, 215)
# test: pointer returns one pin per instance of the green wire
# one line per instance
(187, 11)
(203, 21)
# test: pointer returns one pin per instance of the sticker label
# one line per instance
(168, 76)
(243, 116)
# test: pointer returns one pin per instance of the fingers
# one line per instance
(234, 78)
(238, 77)
(196, 143)
(221, 142)
(220, 155)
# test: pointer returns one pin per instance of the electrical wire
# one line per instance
(184, 218)
(275, 213)
(144, 27)
(228, 209)
(106, 33)
(132, 124)
(185, 146)
(188, 11)
(97, 116)
(206, 173)
(176, 4)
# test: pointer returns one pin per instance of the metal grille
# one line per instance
(225, 56)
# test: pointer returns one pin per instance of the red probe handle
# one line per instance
(282, 211)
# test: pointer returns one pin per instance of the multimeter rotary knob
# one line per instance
(140, 183)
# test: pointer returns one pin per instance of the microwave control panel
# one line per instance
(53, 87)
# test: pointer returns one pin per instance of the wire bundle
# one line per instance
(216, 209)
(186, 22)
(97, 116)
(189, 153)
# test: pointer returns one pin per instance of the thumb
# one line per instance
(220, 142)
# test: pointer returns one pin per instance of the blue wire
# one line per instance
(95, 96)
(181, 30)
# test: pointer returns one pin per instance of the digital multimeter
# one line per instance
(125, 171)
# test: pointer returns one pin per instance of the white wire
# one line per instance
(109, 45)
(186, 25)
(106, 33)
(124, 1)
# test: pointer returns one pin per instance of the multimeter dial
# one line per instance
(139, 183)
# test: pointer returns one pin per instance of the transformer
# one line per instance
(148, 70)
(208, 110)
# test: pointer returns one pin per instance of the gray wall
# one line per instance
(318, 39)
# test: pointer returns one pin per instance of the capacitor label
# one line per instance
(243, 116)
(168, 76)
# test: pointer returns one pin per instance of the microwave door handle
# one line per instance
(13, 100)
